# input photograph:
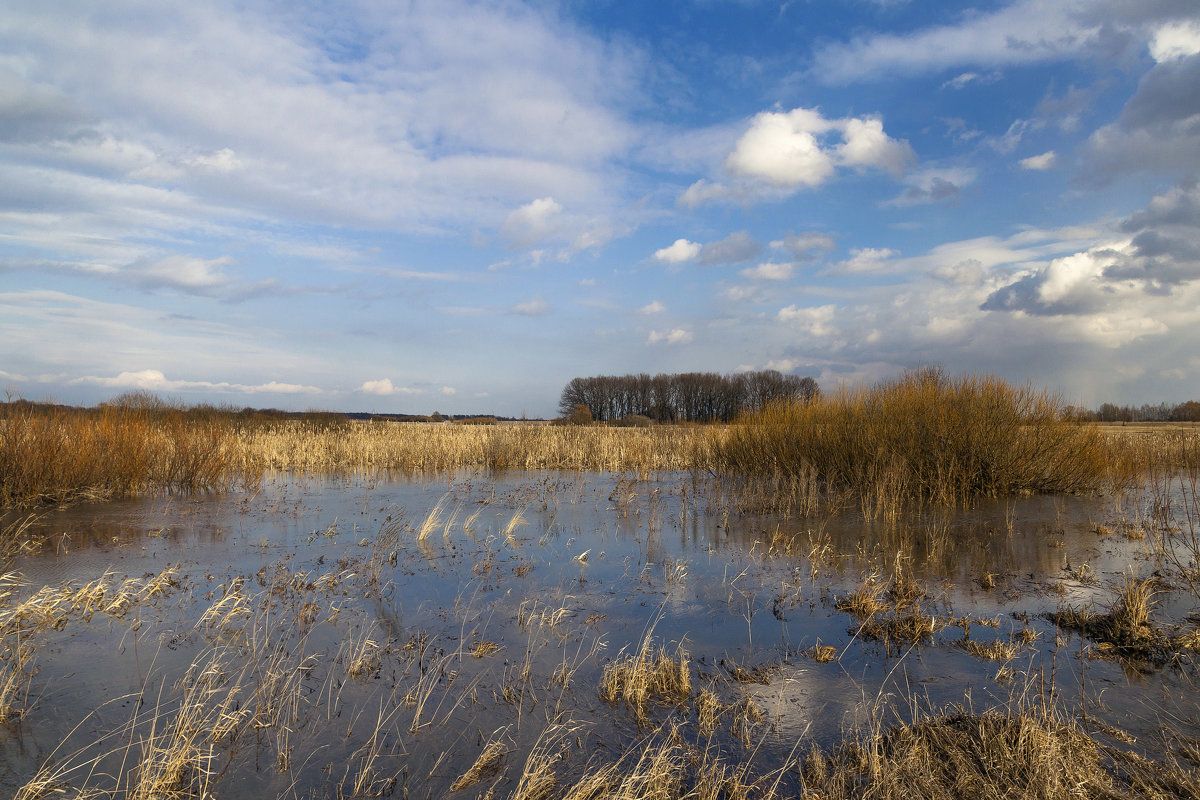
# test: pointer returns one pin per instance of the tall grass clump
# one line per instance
(923, 436)
(55, 454)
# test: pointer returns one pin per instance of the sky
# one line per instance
(413, 206)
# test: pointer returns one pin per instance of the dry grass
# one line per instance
(419, 447)
(486, 765)
(649, 675)
(54, 455)
(922, 437)
(1126, 630)
(894, 613)
(959, 755)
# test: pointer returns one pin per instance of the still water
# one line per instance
(369, 635)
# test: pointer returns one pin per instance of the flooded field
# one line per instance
(519, 634)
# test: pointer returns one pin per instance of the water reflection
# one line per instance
(600, 563)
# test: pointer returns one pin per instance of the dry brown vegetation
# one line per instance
(50, 454)
(921, 438)
(1025, 754)
(924, 437)
(650, 675)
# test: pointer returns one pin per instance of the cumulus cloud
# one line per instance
(1113, 284)
(155, 380)
(1156, 131)
(385, 388)
(1047, 160)
(1177, 39)
(702, 192)
(804, 244)
(680, 251)
(673, 336)
(769, 271)
(449, 391)
(790, 150)
(654, 307)
(736, 247)
(381, 387)
(534, 307)
(816, 320)
(934, 186)
(532, 222)
(865, 260)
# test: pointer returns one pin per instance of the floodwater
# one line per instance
(389, 659)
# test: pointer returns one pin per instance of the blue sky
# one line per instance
(410, 206)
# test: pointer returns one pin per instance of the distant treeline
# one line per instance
(1188, 411)
(152, 405)
(683, 397)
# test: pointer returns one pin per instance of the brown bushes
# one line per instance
(923, 436)
(51, 454)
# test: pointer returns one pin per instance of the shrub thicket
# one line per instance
(57, 454)
(923, 435)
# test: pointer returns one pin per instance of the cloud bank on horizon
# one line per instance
(462, 205)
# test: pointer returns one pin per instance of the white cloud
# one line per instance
(866, 145)
(865, 260)
(703, 191)
(769, 271)
(782, 149)
(154, 380)
(1047, 160)
(816, 320)
(380, 387)
(1175, 40)
(788, 149)
(182, 272)
(654, 307)
(1024, 32)
(223, 160)
(682, 250)
(965, 79)
(449, 391)
(804, 243)
(533, 222)
(447, 114)
(385, 388)
(934, 185)
(534, 307)
(674, 336)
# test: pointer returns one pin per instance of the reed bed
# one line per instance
(922, 437)
(422, 447)
(50, 454)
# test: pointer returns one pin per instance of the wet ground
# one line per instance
(372, 634)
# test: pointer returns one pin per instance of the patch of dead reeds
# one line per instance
(923, 437)
(649, 675)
